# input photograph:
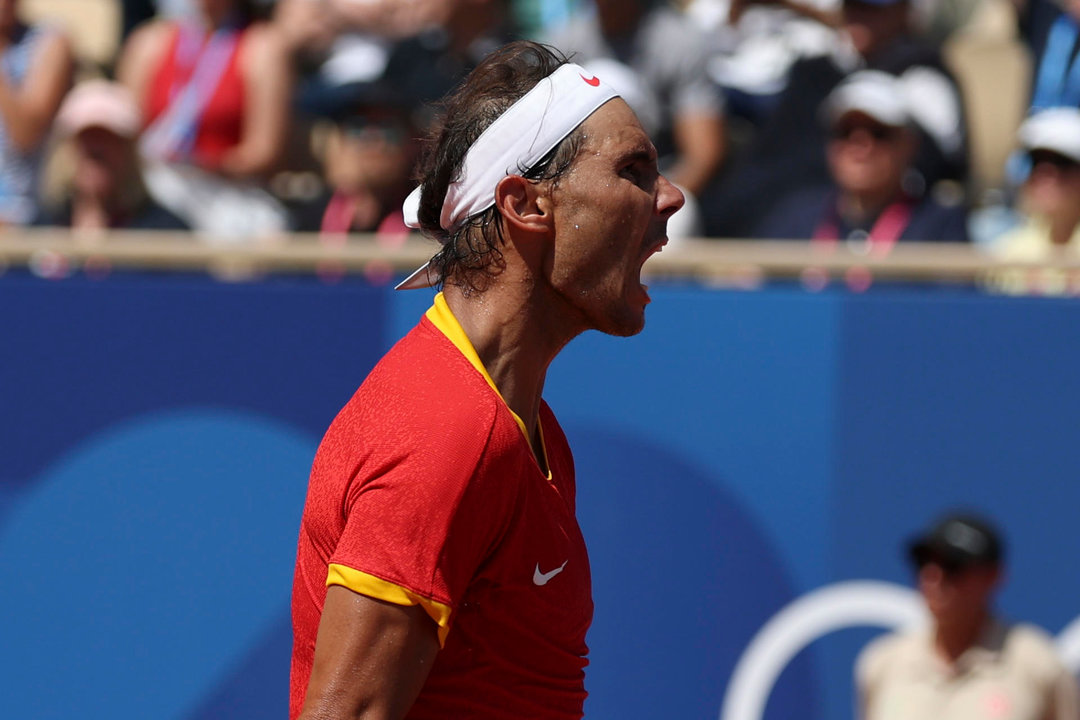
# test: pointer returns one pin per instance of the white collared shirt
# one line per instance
(1011, 673)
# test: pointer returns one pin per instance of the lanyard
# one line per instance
(1058, 81)
(884, 233)
(173, 134)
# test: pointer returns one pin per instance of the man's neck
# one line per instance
(509, 335)
(955, 638)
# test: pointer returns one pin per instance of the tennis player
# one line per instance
(441, 572)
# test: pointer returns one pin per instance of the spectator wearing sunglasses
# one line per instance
(875, 197)
(1048, 205)
(367, 159)
(968, 664)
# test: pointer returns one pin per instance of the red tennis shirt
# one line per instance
(425, 491)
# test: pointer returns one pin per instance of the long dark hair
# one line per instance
(471, 253)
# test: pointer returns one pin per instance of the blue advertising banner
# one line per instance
(749, 468)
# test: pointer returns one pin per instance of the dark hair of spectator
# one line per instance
(471, 253)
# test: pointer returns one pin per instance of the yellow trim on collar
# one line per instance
(442, 317)
(371, 586)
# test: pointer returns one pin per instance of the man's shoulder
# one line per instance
(795, 215)
(1032, 648)
(424, 376)
(422, 405)
(885, 650)
(892, 643)
(935, 221)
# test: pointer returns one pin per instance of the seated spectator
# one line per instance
(215, 97)
(970, 663)
(870, 152)
(367, 159)
(36, 68)
(1049, 207)
(786, 153)
(105, 188)
(663, 56)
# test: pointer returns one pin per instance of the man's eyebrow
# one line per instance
(642, 153)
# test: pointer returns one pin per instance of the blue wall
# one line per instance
(746, 449)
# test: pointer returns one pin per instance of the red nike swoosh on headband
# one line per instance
(594, 81)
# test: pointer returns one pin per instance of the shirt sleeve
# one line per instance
(421, 518)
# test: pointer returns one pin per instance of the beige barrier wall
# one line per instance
(723, 262)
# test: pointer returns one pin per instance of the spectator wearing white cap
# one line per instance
(785, 154)
(871, 198)
(1049, 207)
(98, 123)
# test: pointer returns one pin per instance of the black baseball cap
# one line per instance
(957, 541)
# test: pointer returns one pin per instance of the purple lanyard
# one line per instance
(172, 135)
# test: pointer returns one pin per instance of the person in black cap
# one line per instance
(968, 664)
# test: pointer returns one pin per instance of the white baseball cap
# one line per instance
(1055, 129)
(873, 93)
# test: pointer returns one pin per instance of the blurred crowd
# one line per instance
(855, 121)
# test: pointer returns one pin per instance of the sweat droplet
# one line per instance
(577, 227)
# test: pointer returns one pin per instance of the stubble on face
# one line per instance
(607, 223)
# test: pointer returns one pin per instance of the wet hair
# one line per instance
(471, 253)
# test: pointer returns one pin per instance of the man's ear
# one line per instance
(523, 204)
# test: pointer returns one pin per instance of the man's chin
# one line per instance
(627, 325)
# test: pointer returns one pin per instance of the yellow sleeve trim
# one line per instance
(371, 586)
(442, 317)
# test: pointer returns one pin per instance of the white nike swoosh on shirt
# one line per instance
(541, 578)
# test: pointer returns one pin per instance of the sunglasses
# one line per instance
(878, 133)
(1053, 159)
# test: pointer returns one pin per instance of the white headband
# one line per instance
(513, 143)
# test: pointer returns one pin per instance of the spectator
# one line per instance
(870, 152)
(756, 44)
(1049, 207)
(215, 95)
(36, 68)
(969, 664)
(661, 73)
(428, 65)
(1051, 29)
(367, 160)
(105, 188)
(341, 46)
(786, 154)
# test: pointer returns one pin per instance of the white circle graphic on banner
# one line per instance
(857, 603)
(835, 607)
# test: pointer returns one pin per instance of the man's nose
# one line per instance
(669, 198)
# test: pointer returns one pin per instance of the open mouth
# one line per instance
(658, 247)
